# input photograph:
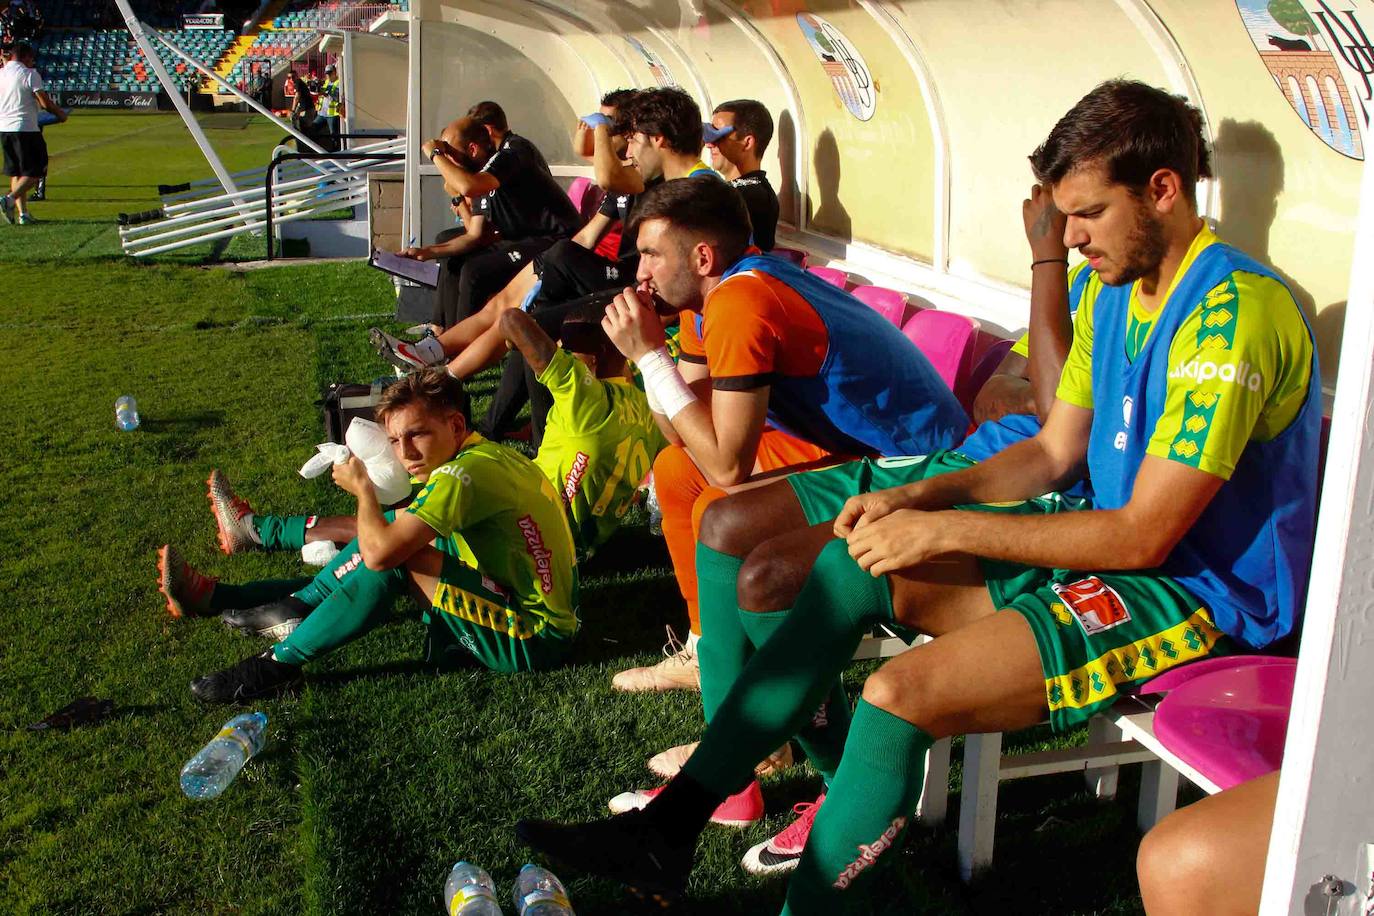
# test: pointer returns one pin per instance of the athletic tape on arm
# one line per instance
(668, 392)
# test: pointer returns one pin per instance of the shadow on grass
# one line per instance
(184, 423)
(334, 679)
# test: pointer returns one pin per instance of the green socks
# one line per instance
(281, 532)
(864, 813)
(355, 599)
(251, 594)
(799, 659)
(723, 648)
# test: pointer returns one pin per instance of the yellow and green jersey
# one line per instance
(598, 446)
(1242, 356)
(504, 518)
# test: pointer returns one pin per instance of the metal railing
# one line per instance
(323, 157)
(295, 186)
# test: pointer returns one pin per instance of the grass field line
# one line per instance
(117, 138)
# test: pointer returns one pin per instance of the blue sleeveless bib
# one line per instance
(875, 391)
(1248, 556)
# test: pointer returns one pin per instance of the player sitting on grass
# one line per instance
(486, 543)
(601, 443)
(1192, 400)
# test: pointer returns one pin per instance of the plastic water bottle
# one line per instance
(655, 512)
(539, 893)
(126, 413)
(215, 765)
(469, 891)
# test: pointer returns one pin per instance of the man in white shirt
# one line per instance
(25, 153)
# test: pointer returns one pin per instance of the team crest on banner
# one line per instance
(1095, 605)
(1320, 55)
(843, 63)
(657, 67)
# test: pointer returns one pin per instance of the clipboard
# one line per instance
(425, 273)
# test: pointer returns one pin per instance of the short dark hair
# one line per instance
(470, 130)
(670, 113)
(618, 97)
(1133, 130)
(620, 100)
(438, 391)
(702, 206)
(752, 119)
(489, 114)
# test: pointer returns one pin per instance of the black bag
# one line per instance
(344, 401)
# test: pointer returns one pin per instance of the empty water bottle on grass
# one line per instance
(538, 892)
(215, 765)
(126, 413)
(469, 891)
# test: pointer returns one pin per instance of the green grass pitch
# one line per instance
(380, 774)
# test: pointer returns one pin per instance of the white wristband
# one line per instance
(663, 384)
(654, 405)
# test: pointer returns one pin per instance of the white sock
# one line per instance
(252, 529)
(431, 350)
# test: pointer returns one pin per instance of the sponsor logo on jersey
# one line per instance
(869, 852)
(534, 546)
(450, 470)
(1095, 605)
(821, 717)
(344, 569)
(574, 482)
(1200, 371)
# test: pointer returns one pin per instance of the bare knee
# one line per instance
(1172, 867)
(769, 580)
(892, 693)
(726, 529)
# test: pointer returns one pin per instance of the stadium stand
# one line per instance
(107, 60)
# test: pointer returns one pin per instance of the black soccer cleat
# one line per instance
(275, 620)
(254, 678)
(625, 848)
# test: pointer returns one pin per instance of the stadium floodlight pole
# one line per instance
(284, 125)
(141, 38)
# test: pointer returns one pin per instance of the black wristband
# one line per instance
(1035, 264)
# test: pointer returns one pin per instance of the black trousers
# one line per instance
(467, 281)
(567, 271)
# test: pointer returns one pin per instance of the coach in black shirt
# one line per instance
(739, 133)
(518, 211)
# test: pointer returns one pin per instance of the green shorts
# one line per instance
(472, 613)
(1097, 632)
(823, 493)
(1094, 631)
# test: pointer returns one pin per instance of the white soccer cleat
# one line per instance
(679, 670)
(781, 852)
(421, 354)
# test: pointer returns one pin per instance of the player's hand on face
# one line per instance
(352, 476)
(899, 540)
(1044, 224)
(633, 324)
(865, 509)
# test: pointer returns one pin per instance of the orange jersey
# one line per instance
(754, 329)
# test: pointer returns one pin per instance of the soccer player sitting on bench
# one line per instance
(1192, 399)
(486, 543)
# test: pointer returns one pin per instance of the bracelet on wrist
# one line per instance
(1037, 263)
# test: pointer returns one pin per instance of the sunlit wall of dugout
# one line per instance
(903, 127)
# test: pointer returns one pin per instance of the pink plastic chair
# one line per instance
(1229, 724)
(946, 338)
(832, 275)
(585, 195)
(795, 255)
(984, 365)
(889, 303)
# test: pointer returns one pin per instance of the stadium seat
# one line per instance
(586, 196)
(889, 303)
(795, 255)
(947, 340)
(832, 275)
(984, 364)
